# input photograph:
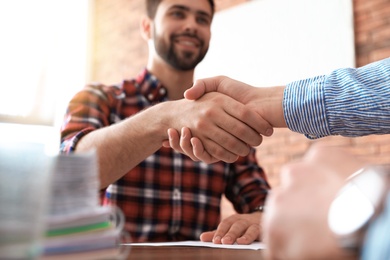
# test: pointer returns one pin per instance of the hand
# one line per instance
(226, 128)
(242, 229)
(267, 102)
(190, 146)
(295, 221)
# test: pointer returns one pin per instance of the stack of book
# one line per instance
(25, 180)
(77, 226)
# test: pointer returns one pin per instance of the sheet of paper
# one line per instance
(253, 246)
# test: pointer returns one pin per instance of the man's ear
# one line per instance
(146, 30)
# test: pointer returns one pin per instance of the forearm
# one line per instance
(122, 146)
(338, 103)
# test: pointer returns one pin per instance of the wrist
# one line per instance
(271, 105)
(157, 121)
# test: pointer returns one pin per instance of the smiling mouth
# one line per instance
(188, 41)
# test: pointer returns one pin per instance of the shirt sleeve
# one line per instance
(93, 107)
(247, 186)
(348, 102)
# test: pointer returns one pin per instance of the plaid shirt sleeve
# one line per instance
(247, 186)
(92, 108)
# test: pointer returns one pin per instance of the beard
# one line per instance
(185, 60)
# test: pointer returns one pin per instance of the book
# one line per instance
(77, 226)
(25, 174)
(50, 207)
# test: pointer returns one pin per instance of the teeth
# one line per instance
(187, 43)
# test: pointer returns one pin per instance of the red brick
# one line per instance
(381, 11)
(381, 34)
(362, 38)
(368, 25)
(367, 6)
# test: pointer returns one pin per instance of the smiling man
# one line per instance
(164, 195)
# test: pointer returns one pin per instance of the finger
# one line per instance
(218, 136)
(236, 230)
(166, 144)
(177, 141)
(234, 134)
(207, 236)
(235, 89)
(250, 235)
(222, 235)
(225, 144)
(174, 139)
(218, 128)
(220, 153)
(201, 87)
(250, 125)
(221, 84)
(240, 131)
(185, 143)
(200, 153)
(194, 148)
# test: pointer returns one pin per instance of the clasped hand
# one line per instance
(264, 103)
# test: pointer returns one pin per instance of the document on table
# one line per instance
(253, 246)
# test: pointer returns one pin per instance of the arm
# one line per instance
(123, 145)
(348, 102)
(334, 104)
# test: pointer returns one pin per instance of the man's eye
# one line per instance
(177, 14)
(203, 20)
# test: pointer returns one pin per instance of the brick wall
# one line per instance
(372, 43)
(372, 30)
(120, 52)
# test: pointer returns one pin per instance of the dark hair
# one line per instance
(151, 7)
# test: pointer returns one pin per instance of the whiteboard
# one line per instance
(273, 42)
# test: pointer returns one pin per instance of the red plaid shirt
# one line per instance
(167, 197)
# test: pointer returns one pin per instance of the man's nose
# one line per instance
(191, 24)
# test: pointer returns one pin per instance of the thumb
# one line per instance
(202, 86)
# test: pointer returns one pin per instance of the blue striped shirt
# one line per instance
(347, 102)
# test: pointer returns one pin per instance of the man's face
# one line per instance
(181, 32)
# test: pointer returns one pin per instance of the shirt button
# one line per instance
(150, 96)
(176, 194)
(162, 91)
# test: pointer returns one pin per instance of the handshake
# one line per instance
(245, 115)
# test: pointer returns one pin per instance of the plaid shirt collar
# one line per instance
(148, 86)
